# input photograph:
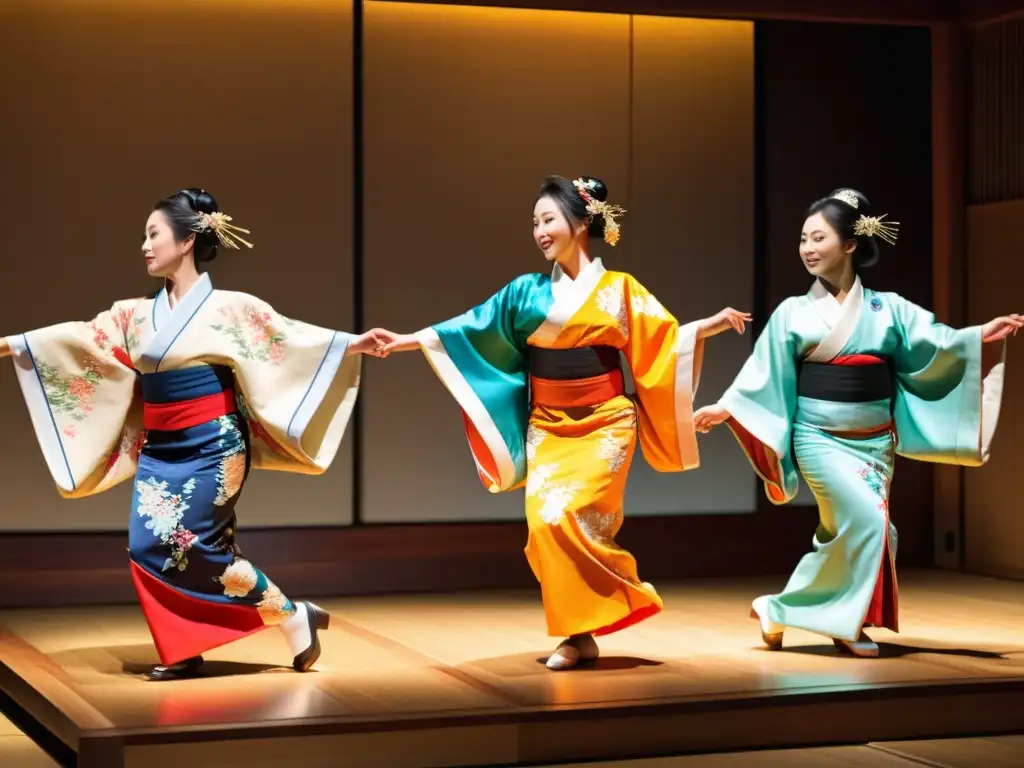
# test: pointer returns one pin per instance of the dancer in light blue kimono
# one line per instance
(841, 380)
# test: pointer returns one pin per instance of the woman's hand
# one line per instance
(401, 342)
(723, 321)
(1001, 327)
(374, 343)
(708, 417)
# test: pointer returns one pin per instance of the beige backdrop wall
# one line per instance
(113, 104)
(108, 106)
(994, 494)
(467, 109)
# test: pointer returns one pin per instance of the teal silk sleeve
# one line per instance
(762, 403)
(480, 356)
(939, 387)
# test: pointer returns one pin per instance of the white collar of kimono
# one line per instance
(168, 324)
(841, 319)
(187, 304)
(828, 306)
(568, 296)
(562, 286)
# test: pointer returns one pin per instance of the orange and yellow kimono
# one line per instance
(536, 372)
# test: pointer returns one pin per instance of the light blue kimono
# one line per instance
(943, 409)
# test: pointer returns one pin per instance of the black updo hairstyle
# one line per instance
(181, 209)
(571, 204)
(842, 217)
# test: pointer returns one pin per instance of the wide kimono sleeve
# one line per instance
(948, 391)
(480, 357)
(761, 402)
(80, 389)
(298, 388)
(664, 360)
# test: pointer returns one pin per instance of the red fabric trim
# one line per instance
(765, 462)
(170, 417)
(857, 360)
(481, 453)
(627, 621)
(183, 626)
(122, 357)
(884, 608)
(864, 433)
(575, 393)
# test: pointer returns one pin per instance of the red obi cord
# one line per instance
(857, 360)
(170, 417)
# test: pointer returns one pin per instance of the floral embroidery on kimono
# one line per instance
(253, 334)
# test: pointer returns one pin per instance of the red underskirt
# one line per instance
(184, 626)
(883, 610)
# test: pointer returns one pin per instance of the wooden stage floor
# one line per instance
(458, 679)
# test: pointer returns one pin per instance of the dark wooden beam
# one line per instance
(92, 568)
(904, 12)
(949, 270)
(983, 12)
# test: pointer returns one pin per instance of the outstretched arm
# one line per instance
(712, 415)
(74, 379)
(479, 356)
(723, 321)
(993, 330)
(949, 385)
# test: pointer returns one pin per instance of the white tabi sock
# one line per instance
(296, 629)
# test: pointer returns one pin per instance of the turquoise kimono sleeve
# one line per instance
(946, 405)
(762, 403)
(480, 357)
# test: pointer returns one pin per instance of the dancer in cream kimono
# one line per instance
(184, 393)
(536, 371)
(841, 380)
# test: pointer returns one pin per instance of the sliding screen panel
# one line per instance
(467, 110)
(109, 106)
(690, 226)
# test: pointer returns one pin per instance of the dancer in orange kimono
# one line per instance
(535, 370)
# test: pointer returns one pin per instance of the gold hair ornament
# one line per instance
(597, 207)
(870, 226)
(874, 226)
(847, 196)
(226, 232)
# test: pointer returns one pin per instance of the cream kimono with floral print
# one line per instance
(293, 382)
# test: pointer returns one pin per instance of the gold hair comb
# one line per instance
(847, 196)
(226, 232)
(597, 207)
(874, 226)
